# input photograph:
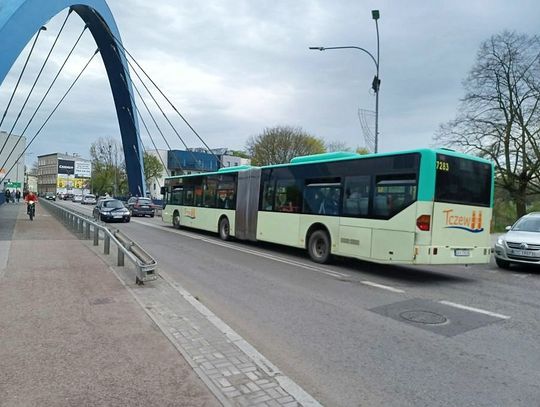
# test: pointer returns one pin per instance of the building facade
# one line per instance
(63, 173)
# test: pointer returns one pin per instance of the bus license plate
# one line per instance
(462, 252)
(524, 253)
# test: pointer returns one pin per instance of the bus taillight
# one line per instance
(423, 221)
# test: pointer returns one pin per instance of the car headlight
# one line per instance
(500, 241)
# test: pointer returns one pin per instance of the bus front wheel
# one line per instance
(224, 229)
(319, 246)
(176, 220)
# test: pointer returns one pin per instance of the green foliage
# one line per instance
(362, 150)
(278, 145)
(108, 167)
(152, 167)
(238, 153)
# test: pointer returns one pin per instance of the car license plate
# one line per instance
(144, 206)
(462, 252)
(524, 253)
(117, 216)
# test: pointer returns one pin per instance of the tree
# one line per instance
(108, 167)
(362, 150)
(278, 145)
(499, 116)
(238, 153)
(152, 167)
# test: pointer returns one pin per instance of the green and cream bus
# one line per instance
(412, 207)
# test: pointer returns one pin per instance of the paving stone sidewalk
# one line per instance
(71, 334)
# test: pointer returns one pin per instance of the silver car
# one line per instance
(521, 244)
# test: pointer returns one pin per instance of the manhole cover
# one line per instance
(424, 317)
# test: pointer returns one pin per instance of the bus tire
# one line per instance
(224, 228)
(176, 220)
(319, 246)
(502, 263)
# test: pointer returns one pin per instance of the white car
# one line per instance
(521, 243)
(77, 198)
(89, 199)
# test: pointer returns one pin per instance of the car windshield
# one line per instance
(528, 224)
(144, 201)
(90, 196)
(113, 204)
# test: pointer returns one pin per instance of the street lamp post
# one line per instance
(376, 84)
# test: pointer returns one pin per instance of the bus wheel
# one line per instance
(224, 229)
(176, 220)
(319, 246)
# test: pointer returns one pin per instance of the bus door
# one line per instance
(354, 236)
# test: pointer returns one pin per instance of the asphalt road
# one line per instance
(361, 334)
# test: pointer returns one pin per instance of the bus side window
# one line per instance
(356, 197)
(268, 196)
(393, 194)
(287, 196)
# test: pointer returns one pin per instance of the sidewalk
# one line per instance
(71, 334)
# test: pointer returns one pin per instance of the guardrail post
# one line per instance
(107, 244)
(87, 232)
(96, 236)
(120, 256)
(81, 226)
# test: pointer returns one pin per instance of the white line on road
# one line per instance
(269, 256)
(480, 311)
(382, 286)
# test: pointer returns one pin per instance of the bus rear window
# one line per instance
(462, 181)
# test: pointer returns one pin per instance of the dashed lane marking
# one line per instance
(382, 286)
(480, 311)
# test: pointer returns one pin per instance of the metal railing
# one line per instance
(89, 229)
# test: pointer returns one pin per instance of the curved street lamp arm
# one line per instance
(351, 46)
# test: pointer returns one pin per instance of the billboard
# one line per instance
(66, 167)
(83, 169)
(67, 182)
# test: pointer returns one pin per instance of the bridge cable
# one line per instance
(144, 149)
(161, 110)
(155, 123)
(149, 135)
(36, 80)
(52, 113)
(167, 99)
(42, 28)
(46, 94)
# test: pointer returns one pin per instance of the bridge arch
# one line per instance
(21, 19)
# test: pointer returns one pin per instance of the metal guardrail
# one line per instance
(88, 228)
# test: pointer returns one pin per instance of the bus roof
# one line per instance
(341, 156)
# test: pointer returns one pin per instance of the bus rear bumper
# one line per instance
(451, 255)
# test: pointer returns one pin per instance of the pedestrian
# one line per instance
(18, 195)
(7, 194)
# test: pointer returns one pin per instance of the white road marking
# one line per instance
(269, 256)
(382, 286)
(480, 311)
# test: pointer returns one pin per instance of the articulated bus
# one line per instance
(413, 207)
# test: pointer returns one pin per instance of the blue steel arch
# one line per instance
(20, 20)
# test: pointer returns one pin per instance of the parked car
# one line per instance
(110, 210)
(50, 196)
(521, 242)
(141, 206)
(89, 199)
(77, 198)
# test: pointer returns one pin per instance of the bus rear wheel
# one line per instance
(319, 246)
(224, 229)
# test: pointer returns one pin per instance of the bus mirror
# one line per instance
(163, 190)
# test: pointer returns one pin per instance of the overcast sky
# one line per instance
(234, 67)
